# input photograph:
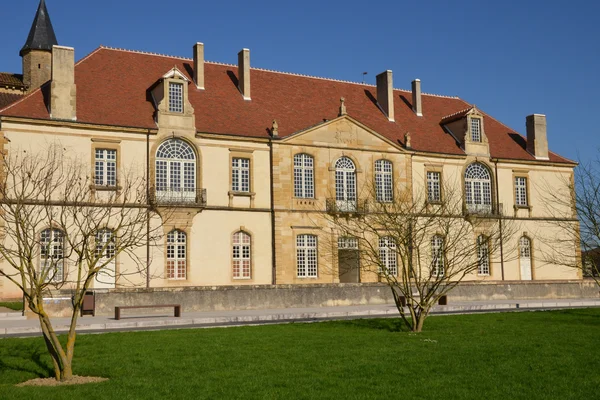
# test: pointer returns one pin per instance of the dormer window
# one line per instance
(175, 97)
(475, 129)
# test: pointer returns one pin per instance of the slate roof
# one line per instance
(41, 36)
(112, 89)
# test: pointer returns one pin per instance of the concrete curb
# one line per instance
(302, 316)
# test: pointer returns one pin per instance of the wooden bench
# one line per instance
(176, 307)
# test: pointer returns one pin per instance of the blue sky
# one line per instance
(511, 58)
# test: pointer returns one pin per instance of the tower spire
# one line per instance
(41, 36)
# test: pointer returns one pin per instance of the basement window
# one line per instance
(175, 97)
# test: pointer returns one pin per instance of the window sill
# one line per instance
(242, 279)
(308, 277)
(518, 207)
(105, 188)
(177, 279)
(241, 194)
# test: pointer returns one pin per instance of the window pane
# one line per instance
(175, 97)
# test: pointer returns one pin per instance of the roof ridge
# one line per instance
(89, 55)
(148, 53)
(457, 113)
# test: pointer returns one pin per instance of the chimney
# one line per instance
(416, 97)
(62, 87)
(385, 93)
(244, 73)
(537, 141)
(199, 65)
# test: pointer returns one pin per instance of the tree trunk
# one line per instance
(61, 361)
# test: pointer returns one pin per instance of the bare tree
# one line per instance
(573, 231)
(59, 231)
(420, 249)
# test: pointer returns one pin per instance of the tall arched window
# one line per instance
(176, 255)
(306, 256)
(345, 184)
(175, 172)
(304, 184)
(437, 256)
(241, 255)
(525, 258)
(52, 252)
(383, 181)
(483, 255)
(478, 189)
(388, 256)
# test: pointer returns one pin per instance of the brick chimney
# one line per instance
(63, 93)
(199, 65)
(385, 93)
(244, 73)
(416, 97)
(537, 141)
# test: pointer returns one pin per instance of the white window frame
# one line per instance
(388, 256)
(52, 255)
(438, 262)
(105, 167)
(240, 174)
(304, 182)
(434, 183)
(242, 255)
(521, 191)
(345, 184)
(105, 244)
(176, 90)
(176, 255)
(384, 181)
(175, 171)
(483, 255)
(478, 188)
(307, 256)
(476, 135)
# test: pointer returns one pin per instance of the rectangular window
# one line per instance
(388, 256)
(241, 256)
(434, 193)
(483, 256)
(475, 129)
(105, 169)
(384, 181)
(521, 191)
(240, 174)
(304, 186)
(175, 97)
(306, 256)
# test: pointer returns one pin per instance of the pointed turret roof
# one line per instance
(41, 36)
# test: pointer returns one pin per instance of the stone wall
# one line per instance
(223, 298)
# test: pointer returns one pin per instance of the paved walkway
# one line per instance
(12, 324)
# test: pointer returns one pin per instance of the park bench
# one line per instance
(176, 307)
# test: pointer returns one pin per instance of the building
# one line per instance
(252, 156)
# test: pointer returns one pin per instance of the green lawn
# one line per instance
(527, 355)
(13, 305)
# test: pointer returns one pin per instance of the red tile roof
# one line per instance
(112, 89)
(8, 98)
(11, 80)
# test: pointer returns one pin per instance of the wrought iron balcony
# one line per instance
(347, 206)
(483, 210)
(178, 197)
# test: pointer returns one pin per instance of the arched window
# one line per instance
(52, 252)
(437, 256)
(388, 256)
(176, 255)
(383, 181)
(306, 256)
(478, 189)
(525, 258)
(175, 172)
(304, 184)
(345, 184)
(483, 255)
(241, 255)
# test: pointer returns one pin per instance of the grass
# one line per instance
(527, 355)
(13, 305)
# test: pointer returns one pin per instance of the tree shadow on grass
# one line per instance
(29, 359)
(386, 324)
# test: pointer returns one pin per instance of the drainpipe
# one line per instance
(499, 220)
(148, 209)
(274, 265)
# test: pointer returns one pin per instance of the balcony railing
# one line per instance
(178, 196)
(347, 206)
(483, 209)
